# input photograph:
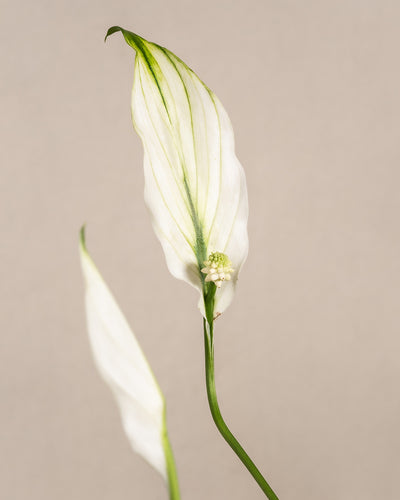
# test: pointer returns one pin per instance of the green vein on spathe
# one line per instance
(185, 236)
(141, 46)
(191, 208)
(200, 245)
(168, 55)
(212, 97)
(195, 81)
(173, 171)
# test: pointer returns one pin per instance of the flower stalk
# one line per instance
(217, 417)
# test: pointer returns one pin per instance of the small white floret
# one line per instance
(218, 268)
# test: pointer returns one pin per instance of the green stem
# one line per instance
(173, 484)
(217, 417)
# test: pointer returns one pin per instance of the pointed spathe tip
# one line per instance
(112, 30)
(82, 240)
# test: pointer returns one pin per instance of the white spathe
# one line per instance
(195, 186)
(124, 368)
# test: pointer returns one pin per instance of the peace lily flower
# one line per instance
(195, 189)
(195, 186)
(126, 371)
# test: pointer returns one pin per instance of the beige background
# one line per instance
(308, 356)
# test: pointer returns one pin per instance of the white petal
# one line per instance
(195, 186)
(124, 368)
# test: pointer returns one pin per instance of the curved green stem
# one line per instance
(217, 417)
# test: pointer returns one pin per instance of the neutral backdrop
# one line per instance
(308, 354)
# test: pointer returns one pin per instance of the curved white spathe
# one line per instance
(124, 368)
(195, 186)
